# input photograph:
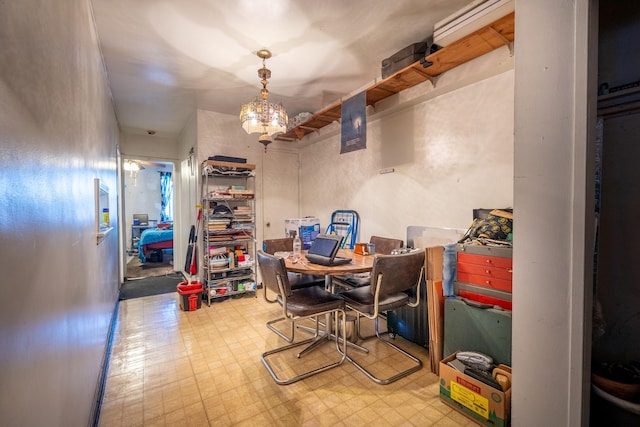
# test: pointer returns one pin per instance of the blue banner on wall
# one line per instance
(354, 123)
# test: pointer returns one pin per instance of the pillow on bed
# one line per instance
(165, 225)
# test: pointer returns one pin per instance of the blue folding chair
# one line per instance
(345, 223)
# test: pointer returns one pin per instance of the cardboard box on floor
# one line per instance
(475, 399)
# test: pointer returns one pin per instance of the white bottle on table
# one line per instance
(297, 247)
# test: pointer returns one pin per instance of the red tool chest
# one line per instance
(484, 274)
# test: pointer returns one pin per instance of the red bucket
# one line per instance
(190, 295)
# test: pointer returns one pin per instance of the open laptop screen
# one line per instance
(325, 245)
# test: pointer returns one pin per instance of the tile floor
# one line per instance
(169, 367)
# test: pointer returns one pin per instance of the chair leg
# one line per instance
(284, 381)
(329, 334)
(376, 322)
(315, 343)
(384, 381)
(289, 338)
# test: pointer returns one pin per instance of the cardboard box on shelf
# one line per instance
(307, 228)
(473, 398)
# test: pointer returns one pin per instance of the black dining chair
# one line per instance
(296, 281)
(396, 281)
(285, 244)
(271, 246)
(383, 246)
(298, 304)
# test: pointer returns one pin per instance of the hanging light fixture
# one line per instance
(261, 116)
(133, 168)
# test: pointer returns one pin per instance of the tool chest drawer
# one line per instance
(486, 281)
(483, 294)
(485, 270)
(488, 268)
(486, 261)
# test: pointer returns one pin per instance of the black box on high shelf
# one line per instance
(228, 159)
(403, 58)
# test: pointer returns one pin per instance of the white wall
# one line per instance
(185, 191)
(555, 91)
(142, 192)
(451, 148)
(59, 288)
(148, 147)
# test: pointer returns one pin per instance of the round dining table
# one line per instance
(359, 264)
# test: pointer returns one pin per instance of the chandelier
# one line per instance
(261, 116)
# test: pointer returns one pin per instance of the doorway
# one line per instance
(280, 188)
(148, 218)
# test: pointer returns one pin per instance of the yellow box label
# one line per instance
(470, 399)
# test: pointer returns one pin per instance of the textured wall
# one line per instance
(451, 152)
(59, 288)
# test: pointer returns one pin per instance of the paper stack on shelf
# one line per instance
(218, 224)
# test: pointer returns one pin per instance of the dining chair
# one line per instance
(384, 246)
(271, 246)
(285, 244)
(298, 304)
(396, 281)
(296, 280)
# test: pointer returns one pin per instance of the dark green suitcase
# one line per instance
(479, 328)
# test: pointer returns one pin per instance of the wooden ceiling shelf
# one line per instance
(497, 34)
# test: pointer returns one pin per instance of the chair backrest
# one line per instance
(274, 273)
(399, 273)
(271, 246)
(384, 245)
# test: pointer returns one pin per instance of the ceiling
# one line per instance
(167, 58)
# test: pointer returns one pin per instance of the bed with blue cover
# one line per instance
(154, 238)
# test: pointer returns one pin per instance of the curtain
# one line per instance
(166, 195)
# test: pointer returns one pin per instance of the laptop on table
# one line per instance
(324, 249)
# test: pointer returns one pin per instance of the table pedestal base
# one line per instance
(329, 335)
